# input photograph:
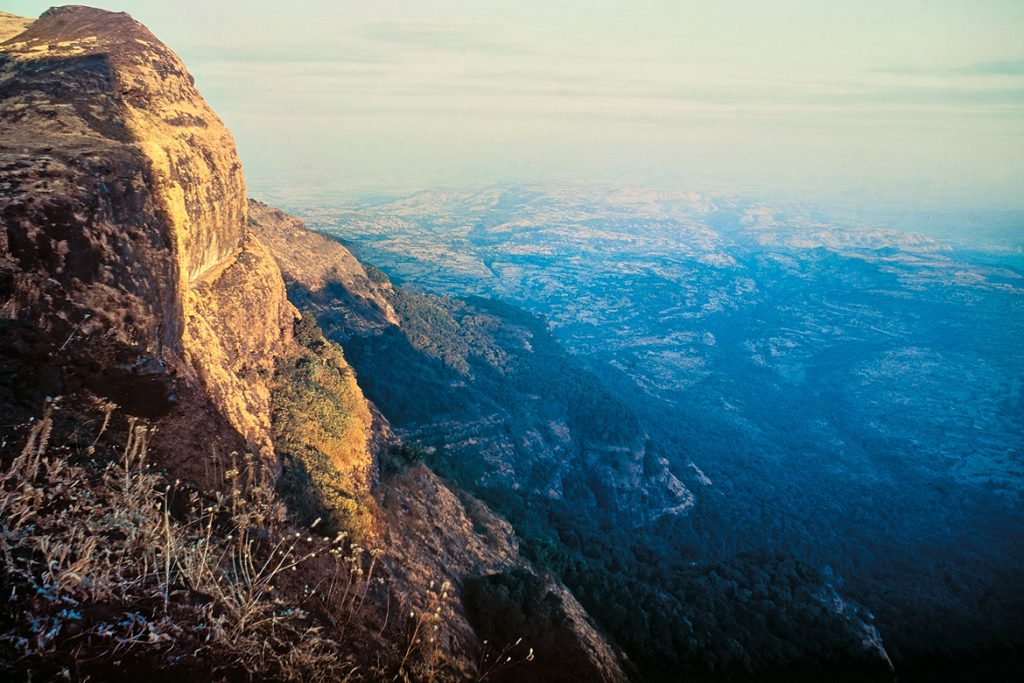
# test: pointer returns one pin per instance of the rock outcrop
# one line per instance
(321, 273)
(124, 223)
(436, 535)
(130, 271)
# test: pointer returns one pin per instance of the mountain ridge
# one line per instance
(134, 283)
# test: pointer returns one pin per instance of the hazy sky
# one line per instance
(912, 101)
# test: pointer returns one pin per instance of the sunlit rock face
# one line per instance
(124, 216)
(73, 56)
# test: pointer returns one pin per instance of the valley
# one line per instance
(849, 399)
(515, 432)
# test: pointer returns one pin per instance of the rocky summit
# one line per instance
(125, 237)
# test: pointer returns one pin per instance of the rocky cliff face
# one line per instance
(129, 270)
(124, 216)
(436, 535)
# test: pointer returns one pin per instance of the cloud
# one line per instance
(339, 54)
(436, 37)
(387, 43)
(1007, 67)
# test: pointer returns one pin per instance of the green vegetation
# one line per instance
(743, 614)
(399, 458)
(672, 601)
(467, 359)
(506, 605)
(321, 425)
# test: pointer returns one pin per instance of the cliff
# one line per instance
(124, 215)
(322, 274)
(134, 283)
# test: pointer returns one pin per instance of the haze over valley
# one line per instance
(454, 341)
(847, 396)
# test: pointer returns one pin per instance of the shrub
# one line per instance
(321, 426)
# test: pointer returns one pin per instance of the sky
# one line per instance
(910, 103)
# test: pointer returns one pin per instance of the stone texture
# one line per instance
(122, 196)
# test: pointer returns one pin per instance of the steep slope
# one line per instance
(437, 536)
(124, 215)
(323, 275)
(129, 275)
(434, 534)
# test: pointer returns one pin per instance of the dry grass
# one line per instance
(111, 567)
